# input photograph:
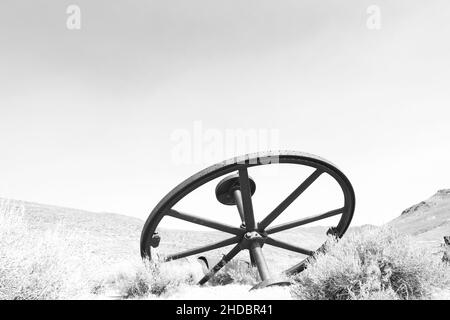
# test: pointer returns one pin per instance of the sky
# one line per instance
(89, 118)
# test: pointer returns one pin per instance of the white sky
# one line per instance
(86, 116)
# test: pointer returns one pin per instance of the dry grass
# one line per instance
(31, 267)
(162, 280)
(236, 272)
(376, 263)
(147, 279)
(38, 264)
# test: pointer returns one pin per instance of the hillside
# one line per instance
(428, 221)
(110, 237)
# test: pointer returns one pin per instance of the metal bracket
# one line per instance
(156, 239)
(332, 231)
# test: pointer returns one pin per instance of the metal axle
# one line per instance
(253, 240)
(260, 261)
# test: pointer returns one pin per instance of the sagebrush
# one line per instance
(375, 263)
(148, 279)
(40, 265)
(31, 266)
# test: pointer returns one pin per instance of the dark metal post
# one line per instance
(247, 199)
(260, 261)
(238, 198)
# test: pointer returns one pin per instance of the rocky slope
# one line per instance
(428, 221)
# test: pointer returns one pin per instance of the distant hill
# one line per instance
(428, 221)
(110, 237)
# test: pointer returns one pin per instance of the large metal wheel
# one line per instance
(237, 189)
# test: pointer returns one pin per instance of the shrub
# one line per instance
(374, 263)
(236, 271)
(154, 279)
(31, 266)
(148, 279)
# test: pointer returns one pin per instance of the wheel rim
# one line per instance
(263, 228)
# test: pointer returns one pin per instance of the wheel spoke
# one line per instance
(247, 199)
(287, 246)
(226, 258)
(291, 198)
(304, 221)
(210, 247)
(205, 222)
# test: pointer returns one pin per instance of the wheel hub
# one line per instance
(252, 237)
(226, 188)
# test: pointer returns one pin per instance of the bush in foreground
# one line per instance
(153, 279)
(238, 272)
(32, 266)
(375, 263)
(147, 279)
